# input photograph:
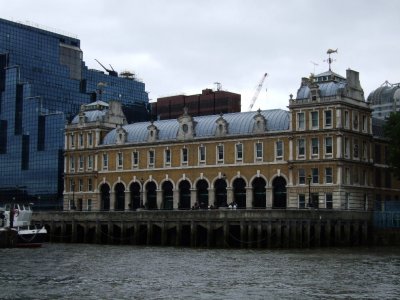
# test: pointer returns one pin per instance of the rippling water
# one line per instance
(76, 271)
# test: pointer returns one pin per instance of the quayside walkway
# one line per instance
(211, 228)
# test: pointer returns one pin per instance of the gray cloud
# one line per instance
(184, 46)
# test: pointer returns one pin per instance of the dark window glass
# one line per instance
(41, 133)
(25, 152)
(3, 137)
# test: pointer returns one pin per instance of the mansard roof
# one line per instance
(328, 84)
(241, 123)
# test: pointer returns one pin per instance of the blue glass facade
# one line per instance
(43, 82)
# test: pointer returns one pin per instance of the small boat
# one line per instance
(18, 217)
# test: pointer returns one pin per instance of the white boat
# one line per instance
(18, 217)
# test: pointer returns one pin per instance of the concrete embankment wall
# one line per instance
(211, 228)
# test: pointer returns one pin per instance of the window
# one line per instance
(302, 201)
(328, 201)
(355, 152)
(90, 139)
(378, 155)
(184, 155)
(314, 175)
(346, 119)
(81, 162)
(71, 185)
(301, 148)
(364, 123)
(328, 118)
(120, 160)
(300, 121)
(220, 153)
(80, 140)
(72, 163)
(135, 159)
(314, 147)
(355, 121)
(314, 120)
(364, 150)
(302, 176)
(80, 185)
(72, 140)
(151, 158)
(347, 201)
(105, 161)
(90, 162)
(239, 152)
(202, 154)
(89, 204)
(328, 146)
(167, 157)
(90, 185)
(346, 179)
(259, 151)
(328, 175)
(346, 147)
(279, 150)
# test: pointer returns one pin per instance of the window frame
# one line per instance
(257, 151)
(327, 181)
(312, 119)
(301, 121)
(135, 159)
(299, 147)
(327, 152)
(313, 147)
(151, 158)
(167, 157)
(184, 156)
(239, 152)
(202, 154)
(326, 124)
(105, 161)
(220, 153)
(279, 151)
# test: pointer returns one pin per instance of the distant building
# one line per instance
(43, 83)
(384, 100)
(209, 102)
(324, 152)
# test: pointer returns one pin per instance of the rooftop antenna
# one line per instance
(330, 60)
(219, 86)
(315, 64)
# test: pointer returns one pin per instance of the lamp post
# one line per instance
(309, 190)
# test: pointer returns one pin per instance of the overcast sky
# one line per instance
(184, 46)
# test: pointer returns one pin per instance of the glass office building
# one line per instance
(43, 83)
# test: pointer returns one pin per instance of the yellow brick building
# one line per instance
(317, 154)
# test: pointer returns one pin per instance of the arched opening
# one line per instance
(279, 190)
(119, 191)
(184, 195)
(151, 194)
(239, 192)
(135, 196)
(202, 193)
(168, 195)
(105, 197)
(220, 193)
(259, 193)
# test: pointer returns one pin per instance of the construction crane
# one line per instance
(111, 72)
(257, 92)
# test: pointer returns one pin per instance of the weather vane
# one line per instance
(330, 60)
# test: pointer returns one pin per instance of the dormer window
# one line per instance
(121, 135)
(186, 126)
(260, 123)
(152, 133)
(222, 126)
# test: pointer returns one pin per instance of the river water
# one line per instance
(78, 271)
